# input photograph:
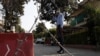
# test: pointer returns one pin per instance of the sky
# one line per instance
(30, 13)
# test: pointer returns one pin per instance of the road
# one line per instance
(47, 50)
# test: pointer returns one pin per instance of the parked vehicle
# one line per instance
(40, 41)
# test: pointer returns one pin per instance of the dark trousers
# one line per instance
(60, 36)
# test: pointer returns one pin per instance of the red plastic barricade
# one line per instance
(11, 44)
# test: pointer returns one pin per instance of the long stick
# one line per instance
(58, 42)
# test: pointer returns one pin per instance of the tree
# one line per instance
(52, 31)
(93, 21)
(40, 30)
(19, 29)
(49, 7)
(13, 9)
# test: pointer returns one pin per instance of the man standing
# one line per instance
(59, 18)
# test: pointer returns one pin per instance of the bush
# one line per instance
(97, 33)
(83, 37)
(76, 38)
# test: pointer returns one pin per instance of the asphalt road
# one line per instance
(47, 50)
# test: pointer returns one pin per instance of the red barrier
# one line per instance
(9, 43)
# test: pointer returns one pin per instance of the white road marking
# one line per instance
(56, 55)
(60, 54)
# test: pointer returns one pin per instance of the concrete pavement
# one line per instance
(47, 50)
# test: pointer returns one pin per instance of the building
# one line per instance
(79, 17)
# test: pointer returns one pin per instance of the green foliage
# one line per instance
(53, 31)
(61, 3)
(40, 28)
(47, 35)
(93, 20)
(92, 35)
(93, 13)
(76, 38)
(97, 33)
(19, 29)
(49, 7)
(40, 31)
(12, 9)
(83, 37)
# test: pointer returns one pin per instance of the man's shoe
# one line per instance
(60, 52)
